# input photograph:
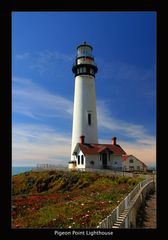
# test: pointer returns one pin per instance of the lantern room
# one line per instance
(84, 63)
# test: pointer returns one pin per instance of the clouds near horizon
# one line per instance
(34, 143)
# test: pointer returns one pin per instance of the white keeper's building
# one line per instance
(132, 163)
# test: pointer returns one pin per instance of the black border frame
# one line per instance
(6, 120)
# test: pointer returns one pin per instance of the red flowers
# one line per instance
(13, 214)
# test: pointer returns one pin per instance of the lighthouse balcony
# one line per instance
(85, 61)
(84, 69)
(81, 64)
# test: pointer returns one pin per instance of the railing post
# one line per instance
(126, 202)
(128, 199)
(117, 212)
(126, 222)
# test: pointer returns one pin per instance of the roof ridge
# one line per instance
(96, 148)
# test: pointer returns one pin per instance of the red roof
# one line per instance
(98, 148)
(124, 157)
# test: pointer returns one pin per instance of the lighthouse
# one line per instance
(84, 111)
(86, 152)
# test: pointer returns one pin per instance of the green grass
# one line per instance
(57, 199)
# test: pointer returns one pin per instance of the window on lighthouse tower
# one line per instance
(89, 119)
(91, 71)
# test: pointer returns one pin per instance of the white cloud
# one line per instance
(125, 71)
(32, 144)
(134, 131)
(147, 154)
(24, 56)
(44, 61)
(124, 77)
(33, 101)
(142, 144)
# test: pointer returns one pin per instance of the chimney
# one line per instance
(114, 140)
(82, 139)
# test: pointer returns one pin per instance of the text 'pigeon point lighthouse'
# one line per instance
(84, 112)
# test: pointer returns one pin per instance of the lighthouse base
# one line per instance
(72, 165)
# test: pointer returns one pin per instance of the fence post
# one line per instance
(117, 212)
(140, 185)
(126, 222)
(126, 202)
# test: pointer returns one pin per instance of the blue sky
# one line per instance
(43, 51)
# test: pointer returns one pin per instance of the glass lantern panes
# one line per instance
(84, 51)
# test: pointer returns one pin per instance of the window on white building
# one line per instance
(78, 159)
(131, 160)
(131, 168)
(82, 159)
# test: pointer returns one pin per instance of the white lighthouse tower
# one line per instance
(84, 112)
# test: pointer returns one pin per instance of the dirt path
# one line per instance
(150, 209)
(147, 214)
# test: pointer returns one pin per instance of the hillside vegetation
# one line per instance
(62, 199)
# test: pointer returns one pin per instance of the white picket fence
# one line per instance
(120, 216)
